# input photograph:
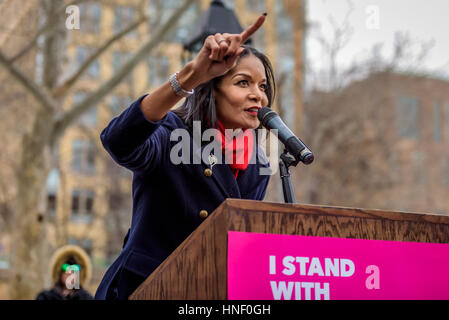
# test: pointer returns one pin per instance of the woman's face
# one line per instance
(241, 93)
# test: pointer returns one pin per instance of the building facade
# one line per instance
(420, 109)
(380, 143)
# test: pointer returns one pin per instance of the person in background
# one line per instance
(70, 270)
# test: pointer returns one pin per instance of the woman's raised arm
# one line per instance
(218, 55)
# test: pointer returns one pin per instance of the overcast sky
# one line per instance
(376, 21)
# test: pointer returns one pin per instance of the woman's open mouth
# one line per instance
(253, 110)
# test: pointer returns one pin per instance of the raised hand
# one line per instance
(220, 52)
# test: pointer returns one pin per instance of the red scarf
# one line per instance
(238, 150)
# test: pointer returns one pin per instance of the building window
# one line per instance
(75, 202)
(436, 121)
(186, 23)
(255, 5)
(408, 117)
(160, 11)
(118, 104)
(83, 156)
(158, 70)
(90, 157)
(89, 203)
(90, 16)
(119, 58)
(51, 188)
(284, 31)
(259, 39)
(123, 18)
(77, 150)
(86, 244)
(82, 53)
(51, 205)
(82, 205)
(89, 118)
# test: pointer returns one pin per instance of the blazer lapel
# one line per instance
(221, 172)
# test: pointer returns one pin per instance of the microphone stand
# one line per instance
(287, 160)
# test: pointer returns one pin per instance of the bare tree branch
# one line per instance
(42, 96)
(140, 55)
(65, 87)
(44, 30)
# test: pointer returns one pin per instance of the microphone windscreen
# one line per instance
(265, 114)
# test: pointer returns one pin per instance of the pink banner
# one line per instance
(278, 267)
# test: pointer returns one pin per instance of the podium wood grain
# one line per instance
(197, 269)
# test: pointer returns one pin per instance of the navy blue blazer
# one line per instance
(167, 197)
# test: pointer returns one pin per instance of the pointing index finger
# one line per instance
(248, 32)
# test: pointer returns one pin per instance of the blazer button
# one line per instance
(207, 172)
(204, 214)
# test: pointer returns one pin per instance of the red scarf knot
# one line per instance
(238, 148)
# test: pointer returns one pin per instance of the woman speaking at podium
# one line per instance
(224, 85)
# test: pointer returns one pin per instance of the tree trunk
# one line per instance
(30, 254)
(30, 248)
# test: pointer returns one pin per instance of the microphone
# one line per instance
(271, 120)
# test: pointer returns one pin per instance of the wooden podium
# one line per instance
(197, 269)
